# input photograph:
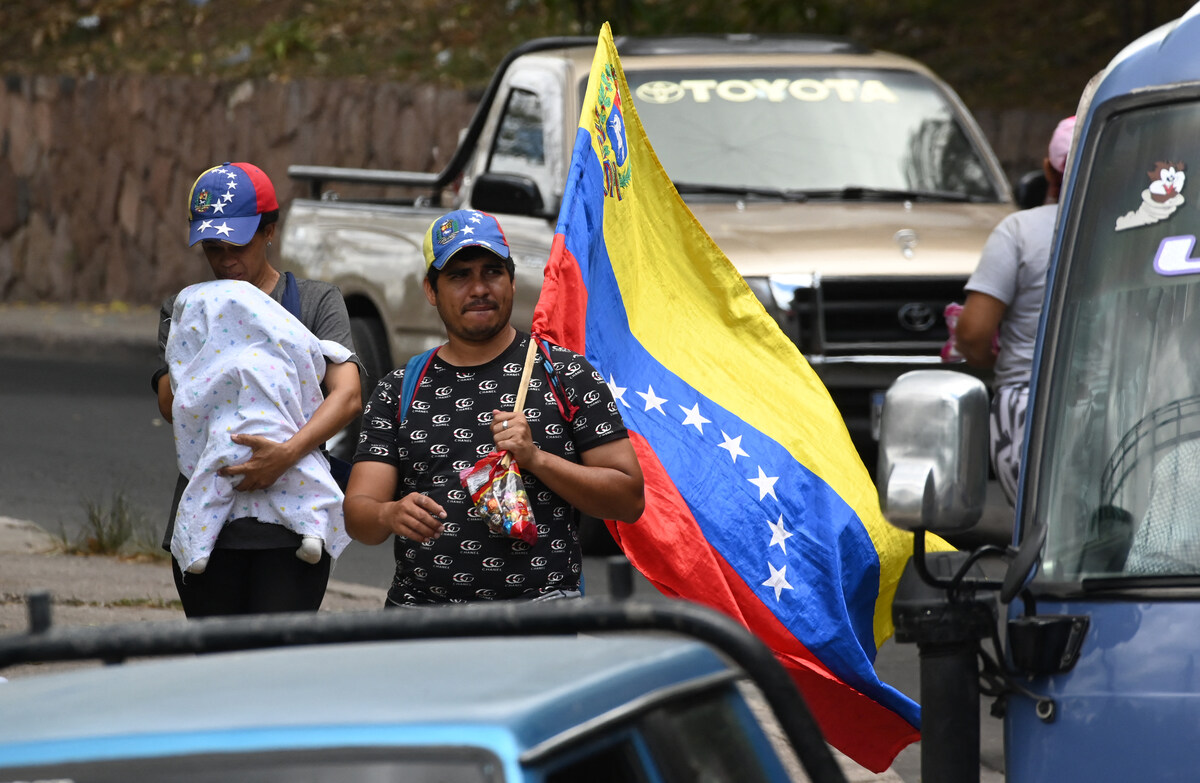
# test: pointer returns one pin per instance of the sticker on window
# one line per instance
(773, 90)
(1160, 200)
(1174, 256)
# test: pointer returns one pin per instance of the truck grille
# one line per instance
(881, 316)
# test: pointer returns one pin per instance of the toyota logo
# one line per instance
(916, 317)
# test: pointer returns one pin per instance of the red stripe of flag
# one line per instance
(564, 286)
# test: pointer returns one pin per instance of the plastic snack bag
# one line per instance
(950, 352)
(495, 483)
(499, 493)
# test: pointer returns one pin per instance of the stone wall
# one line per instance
(94, 173)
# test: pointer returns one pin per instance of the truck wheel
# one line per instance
(370, 343)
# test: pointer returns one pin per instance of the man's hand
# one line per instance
(414, 516)
(372, 516)
(268, 461)
(607, 481)
(510, 432)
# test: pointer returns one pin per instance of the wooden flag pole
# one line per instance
(530, 357)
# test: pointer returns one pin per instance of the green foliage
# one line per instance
(288, 40)
(1025, 53)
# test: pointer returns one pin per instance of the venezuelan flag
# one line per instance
(756, 501)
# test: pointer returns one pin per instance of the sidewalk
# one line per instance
(101, 590)
(79, 329)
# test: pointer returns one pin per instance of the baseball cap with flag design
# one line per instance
(227, 203)
(460, 229)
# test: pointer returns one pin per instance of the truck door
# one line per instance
(523, 152)
(1113, 461)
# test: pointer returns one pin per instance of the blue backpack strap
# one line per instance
(565, 407)
(414, 371)
(291, 295)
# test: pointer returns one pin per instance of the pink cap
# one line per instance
(1060, 144)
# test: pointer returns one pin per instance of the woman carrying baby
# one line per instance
(256, 453)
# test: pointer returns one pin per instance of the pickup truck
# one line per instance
(850, 187)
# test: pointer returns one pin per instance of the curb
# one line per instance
(105, 331)
(100, 589)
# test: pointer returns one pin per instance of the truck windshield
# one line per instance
(825, 132)
(1119, 474)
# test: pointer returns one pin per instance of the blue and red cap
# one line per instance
(460, 229)
(227, 203)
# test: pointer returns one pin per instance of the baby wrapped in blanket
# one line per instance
(242, 364)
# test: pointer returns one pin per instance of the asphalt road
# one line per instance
(75, 431)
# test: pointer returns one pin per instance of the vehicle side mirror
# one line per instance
(507, 194)
(1031, 189)
(933, 462)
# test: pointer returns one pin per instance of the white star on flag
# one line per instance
(778, 580)
(765, 484)
(468, 230)
(778, 534)
(475, 218)
(733, 446)
(653, 400)
(227, 197)
(618, 392)
(218, 207)
(205, 225)
(224, 229)
(694, 418)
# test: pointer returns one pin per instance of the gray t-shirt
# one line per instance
(1012, 268)
(323, 312)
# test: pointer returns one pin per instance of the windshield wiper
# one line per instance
(863, 193)
(781, 194)
(1116, 583)
(847, 193)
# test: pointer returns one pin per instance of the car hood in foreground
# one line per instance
(522, 691)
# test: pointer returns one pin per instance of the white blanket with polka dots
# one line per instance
(242, 364)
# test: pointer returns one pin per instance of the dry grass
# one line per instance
(115, 529)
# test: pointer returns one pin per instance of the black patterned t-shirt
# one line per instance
(447, 430)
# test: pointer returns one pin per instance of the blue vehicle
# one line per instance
(1092, 648)
(579, 691)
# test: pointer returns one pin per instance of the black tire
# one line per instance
(370, 344)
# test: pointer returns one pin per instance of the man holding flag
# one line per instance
(756, 502)
(427, 422)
